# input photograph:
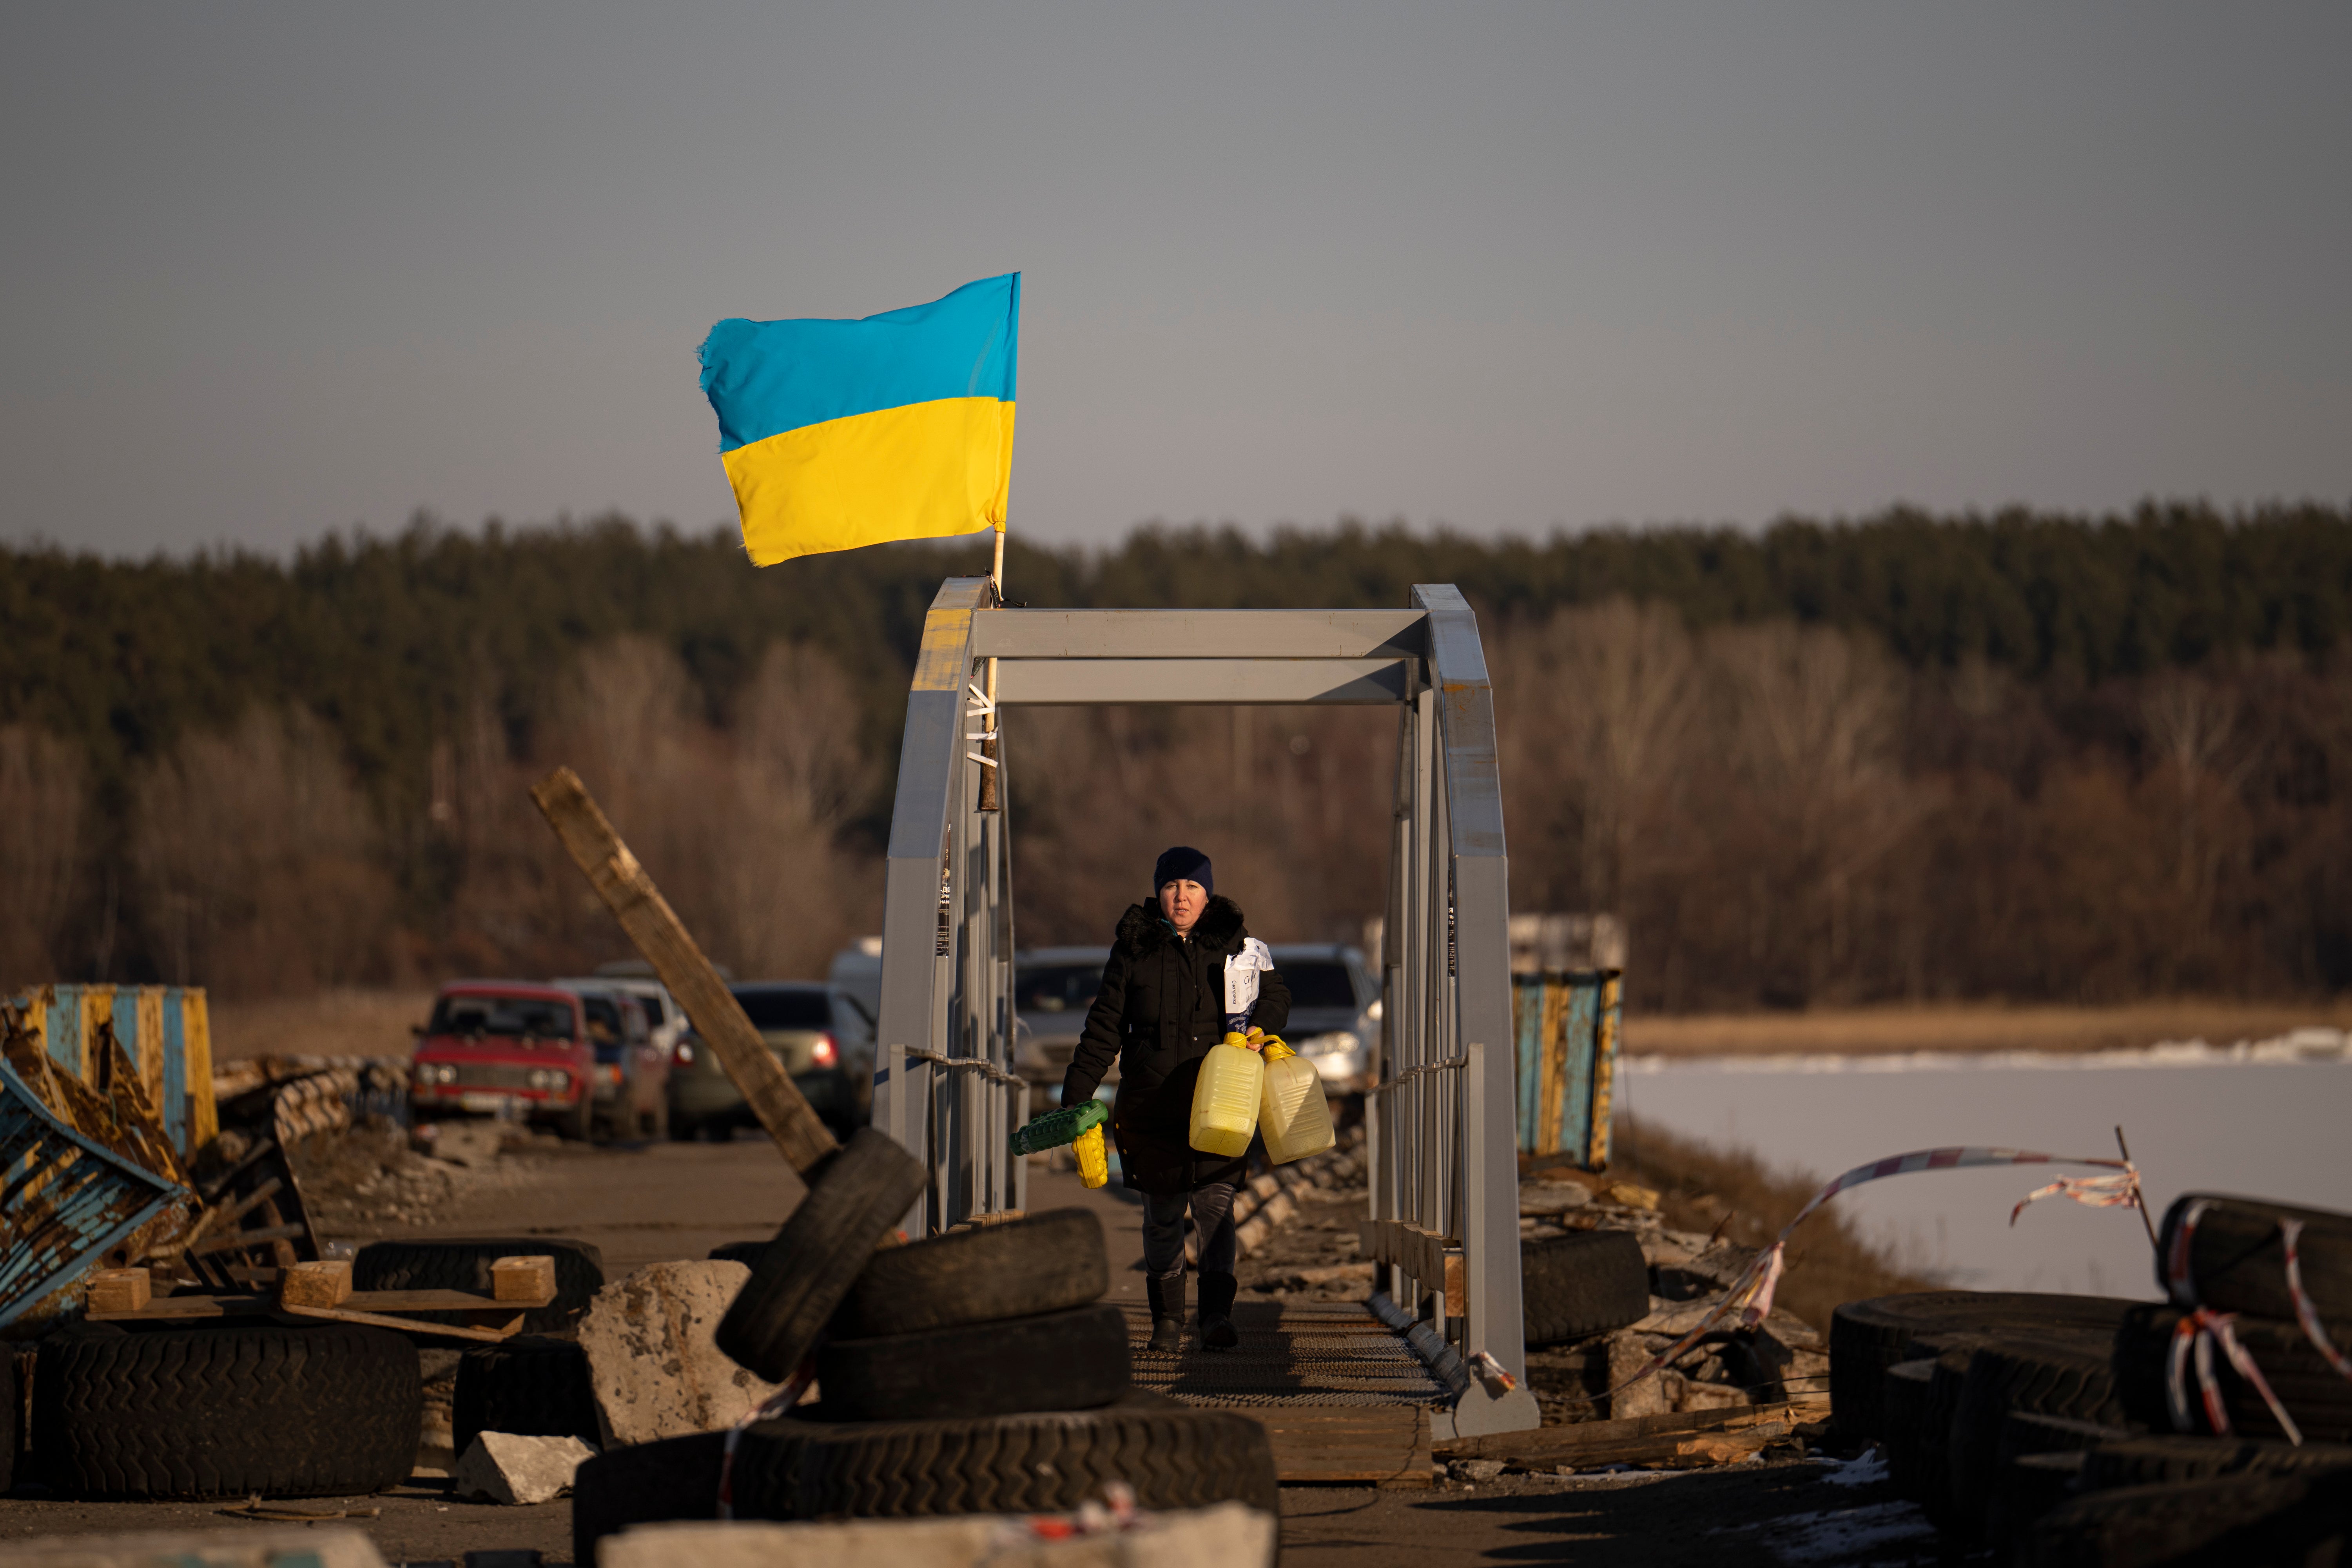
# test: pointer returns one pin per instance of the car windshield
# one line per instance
(510, 1017)
(1056, 987)
(653, 1014)
(779, 1009)
(1319, 985)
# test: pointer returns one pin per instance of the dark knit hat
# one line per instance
(1182, 864)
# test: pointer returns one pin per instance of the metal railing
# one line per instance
(1443, 1207)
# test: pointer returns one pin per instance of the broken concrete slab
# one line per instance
(506, 1467)
(1231, 1535)
(264, 1546)
(1538, 1199)
(652, 1361)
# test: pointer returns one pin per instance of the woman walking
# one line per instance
(1162, 1008)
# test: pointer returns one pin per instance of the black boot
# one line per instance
(1217, 1332)
(1167, 1313)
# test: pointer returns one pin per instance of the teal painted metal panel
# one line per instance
(1565, 1031)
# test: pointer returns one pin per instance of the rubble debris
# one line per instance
(656, 1370)
(1231, 1535)
(328, 1546)
(508, 1467)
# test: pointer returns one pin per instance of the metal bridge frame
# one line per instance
(1444, 1173)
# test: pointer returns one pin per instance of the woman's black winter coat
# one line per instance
(1161, 1009)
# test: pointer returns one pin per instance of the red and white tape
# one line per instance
(2200, 1326)
(1751, 1294)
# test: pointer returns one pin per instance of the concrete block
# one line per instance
(1628, 1353)
(504, 1467)
(1229, 1535)
(652, 1361)
(216, 1546)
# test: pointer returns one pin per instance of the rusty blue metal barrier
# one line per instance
(166, 1030)
(64, 1199)
(1566, 1026)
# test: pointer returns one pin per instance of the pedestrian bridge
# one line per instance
(1443, 1148)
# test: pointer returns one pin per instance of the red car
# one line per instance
(509, 1048)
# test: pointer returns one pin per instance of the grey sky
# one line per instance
(270, 270)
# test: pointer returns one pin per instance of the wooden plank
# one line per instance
(654, 927)
(327, 1284)
(372, 1304)
(531, 1278)
(1379, 1444)
(347, 1314)
(1564, 1444)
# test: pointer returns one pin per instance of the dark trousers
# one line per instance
(1163, 1230)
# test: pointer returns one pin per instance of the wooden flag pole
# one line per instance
(662, 938)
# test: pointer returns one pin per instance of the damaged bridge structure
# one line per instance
(1438, 1350)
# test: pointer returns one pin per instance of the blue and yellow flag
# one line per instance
(838, 434)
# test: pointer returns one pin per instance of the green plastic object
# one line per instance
(1057, 1128)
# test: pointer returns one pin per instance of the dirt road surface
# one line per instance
(645, 1204)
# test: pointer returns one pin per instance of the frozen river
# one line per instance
(2271, 1121)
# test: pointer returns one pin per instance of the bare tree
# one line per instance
(42, 796)
(258, 861)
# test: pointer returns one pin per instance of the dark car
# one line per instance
(820, 1033)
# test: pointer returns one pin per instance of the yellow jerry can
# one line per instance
(1226, 1097)
(1292, 1111)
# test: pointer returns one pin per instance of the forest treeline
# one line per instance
(2021, 755)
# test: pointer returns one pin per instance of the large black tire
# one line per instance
(1584, 1283)
(2315, 1394)
(331, 1409)
(2069, 1376)
(529, 1386)
(2037, 1461)
(1047, 1263)
(464, 1264)
(2147, 1461)
(1905, 1410)
(2226, 1522)
(677, 1478)
(856, 1196)
(1075, 1360)
(2237, 1258)
(1173, 1456)
(1869, 1336)
(1931, 1482)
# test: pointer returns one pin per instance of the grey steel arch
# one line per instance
(1444, 1183)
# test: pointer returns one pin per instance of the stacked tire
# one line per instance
(323, 1410)
(979, 1371)
(2051, 1428)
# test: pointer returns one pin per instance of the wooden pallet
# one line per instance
(323, 1291)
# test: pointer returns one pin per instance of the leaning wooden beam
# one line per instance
(649, 922)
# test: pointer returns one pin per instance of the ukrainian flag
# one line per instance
(838, 434)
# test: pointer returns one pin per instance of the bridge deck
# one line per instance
(1343, 1397)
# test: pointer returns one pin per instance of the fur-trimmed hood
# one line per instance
(1219, 930)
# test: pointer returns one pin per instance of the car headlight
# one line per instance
(552, 1079)
(1339, 1043)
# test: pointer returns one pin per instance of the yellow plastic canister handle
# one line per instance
(1278, 1050)
(1094, 1161)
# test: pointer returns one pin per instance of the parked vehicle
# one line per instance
(858, 971)
(511, 1048)
(818, 1031)
(632, 1073)
(635, 978)
(1335, 1011)
(1052, 989)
